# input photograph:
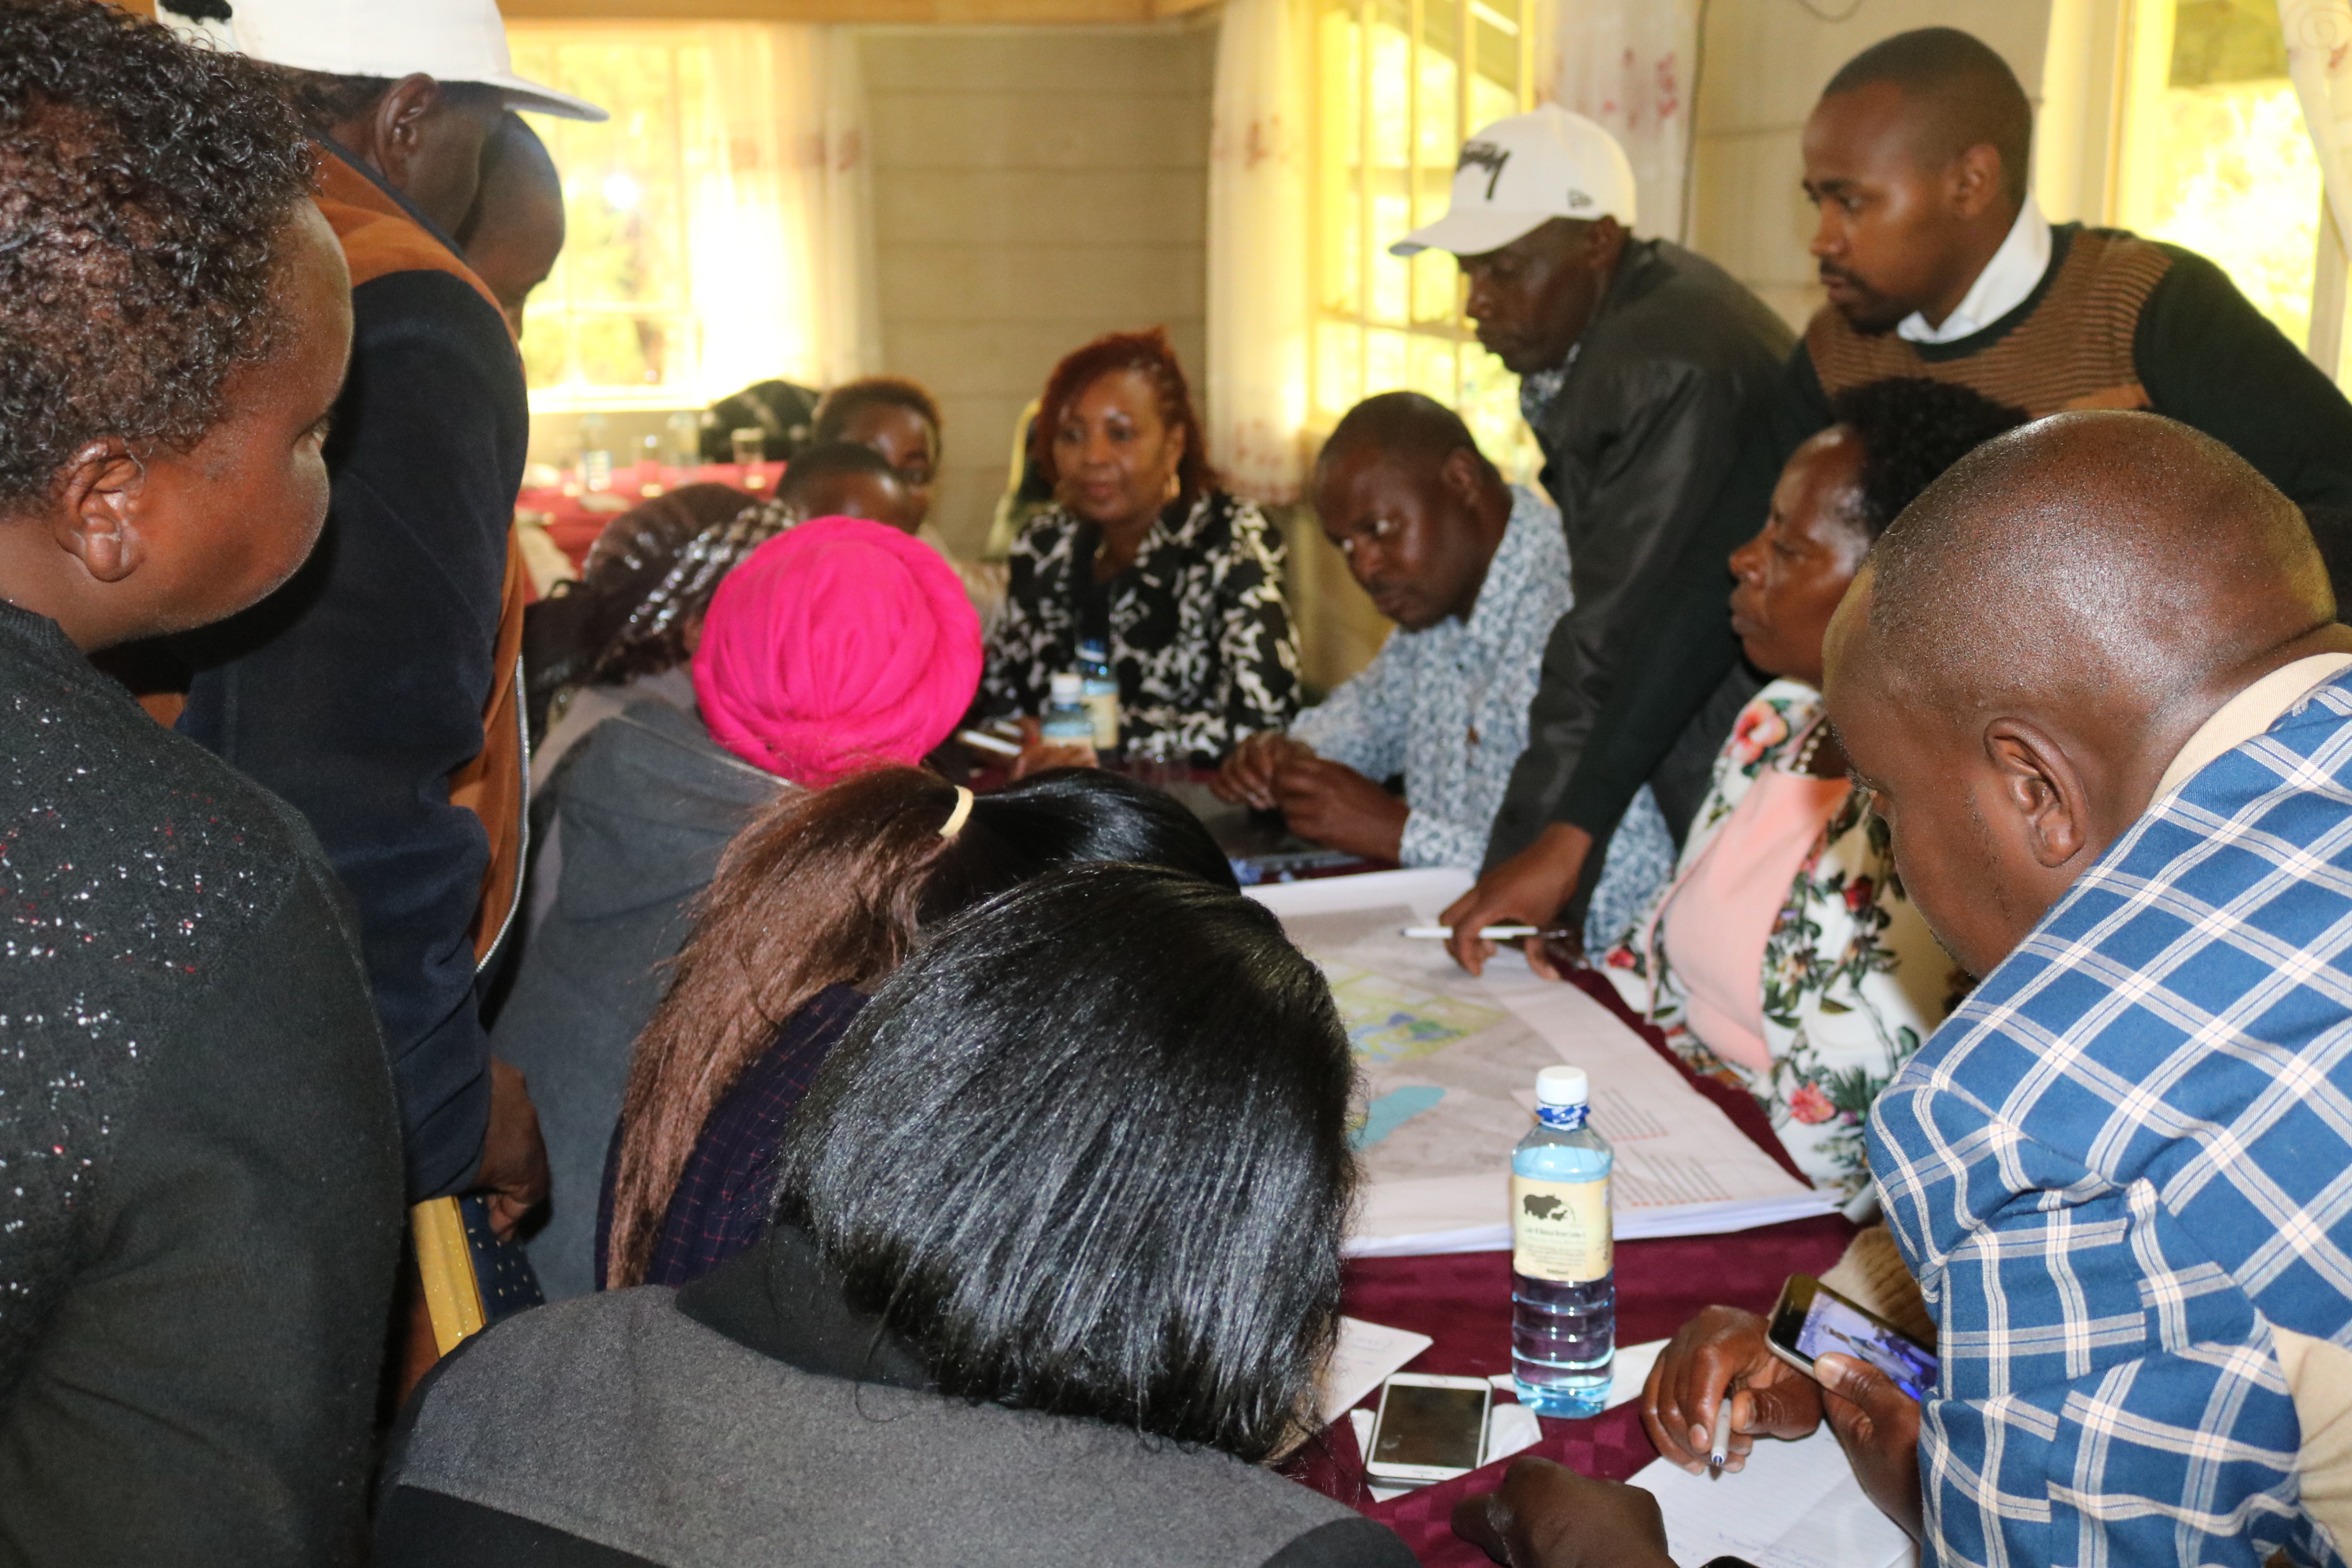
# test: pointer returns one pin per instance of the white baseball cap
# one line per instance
(448, 40)
(1518, 173)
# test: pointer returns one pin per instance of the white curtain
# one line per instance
(779, 218)
(2320, 59)
(1259, 291)
(1627, 64)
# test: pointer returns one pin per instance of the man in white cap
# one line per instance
(377, 691)
(1649, 377)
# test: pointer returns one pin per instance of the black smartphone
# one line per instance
(1812, 1320)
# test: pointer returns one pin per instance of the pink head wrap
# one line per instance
(838, 645)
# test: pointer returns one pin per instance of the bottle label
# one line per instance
(1559, 1230)
(1102, 707)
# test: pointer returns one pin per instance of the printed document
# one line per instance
(1449, 1064)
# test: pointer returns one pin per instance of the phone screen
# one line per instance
(1425, 1425)
(1834, 1328)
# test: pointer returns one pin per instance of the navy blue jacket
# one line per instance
(354, 691)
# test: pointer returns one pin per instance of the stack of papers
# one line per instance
(1450, 1063)
(1795, 1505)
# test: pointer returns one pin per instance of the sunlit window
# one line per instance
(2216, 156)
(616, 324)
(1399, 86)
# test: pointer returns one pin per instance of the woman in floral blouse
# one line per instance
(1783, 957)
(1181, 581)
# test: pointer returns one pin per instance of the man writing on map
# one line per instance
(1474, 572)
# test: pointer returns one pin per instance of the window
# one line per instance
(2215, 154)
(1399, 84)
(615, 324)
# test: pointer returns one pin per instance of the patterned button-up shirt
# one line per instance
(1199, 637)
(1447, 706)
(2124, 1168)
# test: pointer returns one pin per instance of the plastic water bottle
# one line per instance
(596, 456)
(1067, 722)
(1099, 687)
(1563, 1268)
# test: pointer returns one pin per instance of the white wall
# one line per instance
(1764, 65)
(1032, 188)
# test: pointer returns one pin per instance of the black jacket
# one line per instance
(1660, 451)
(202, 1204)
(357, 690)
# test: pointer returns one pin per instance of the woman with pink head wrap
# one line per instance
(835, 648)
(839, 646)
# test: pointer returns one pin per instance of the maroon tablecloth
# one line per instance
(575, 519)
(1463, 1301)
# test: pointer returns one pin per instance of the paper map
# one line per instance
(1449, 1064)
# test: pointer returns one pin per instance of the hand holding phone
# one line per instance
(1812, 1320)
(1429, 1428)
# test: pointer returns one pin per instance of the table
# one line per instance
(573, 515)
(1463, 1301)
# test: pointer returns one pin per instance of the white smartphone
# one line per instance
(1430, 1428)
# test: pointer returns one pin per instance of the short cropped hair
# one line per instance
(1969, 94)
(1087, 1153)
(1405, 423)
(893, 391)
(144, 187)
(831, 457)
(1911, 430)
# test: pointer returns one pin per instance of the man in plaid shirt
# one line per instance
(2094, 679)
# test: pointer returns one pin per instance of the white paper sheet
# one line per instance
(1449, 1064)
(1362, 1359)
(1796, 1505)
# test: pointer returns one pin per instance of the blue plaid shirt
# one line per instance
(2124, 1159)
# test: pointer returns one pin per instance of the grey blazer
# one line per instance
(641, 810)
(754, 1419)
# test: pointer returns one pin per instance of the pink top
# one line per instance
(1720, 911)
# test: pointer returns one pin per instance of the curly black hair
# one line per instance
(1911, 430)
(143, 188)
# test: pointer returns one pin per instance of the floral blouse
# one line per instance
(1852, 979)
(1197, 633)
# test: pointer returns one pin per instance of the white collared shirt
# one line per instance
(2012, 273)
(2250, 713)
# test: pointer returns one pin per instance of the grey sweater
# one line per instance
(642, 809)
(754, 1419)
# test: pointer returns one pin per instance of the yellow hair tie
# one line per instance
(960, 815)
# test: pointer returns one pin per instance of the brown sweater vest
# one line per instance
(2074, 351)
(379, 239)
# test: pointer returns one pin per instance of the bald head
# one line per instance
(2036, 637)
(1957, 94)
(2120, 560)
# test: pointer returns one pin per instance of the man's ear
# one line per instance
(97, 518)
(396, 125)
(1975, 181)
(1604, 241)
(1462, 475)
(2039, 783)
